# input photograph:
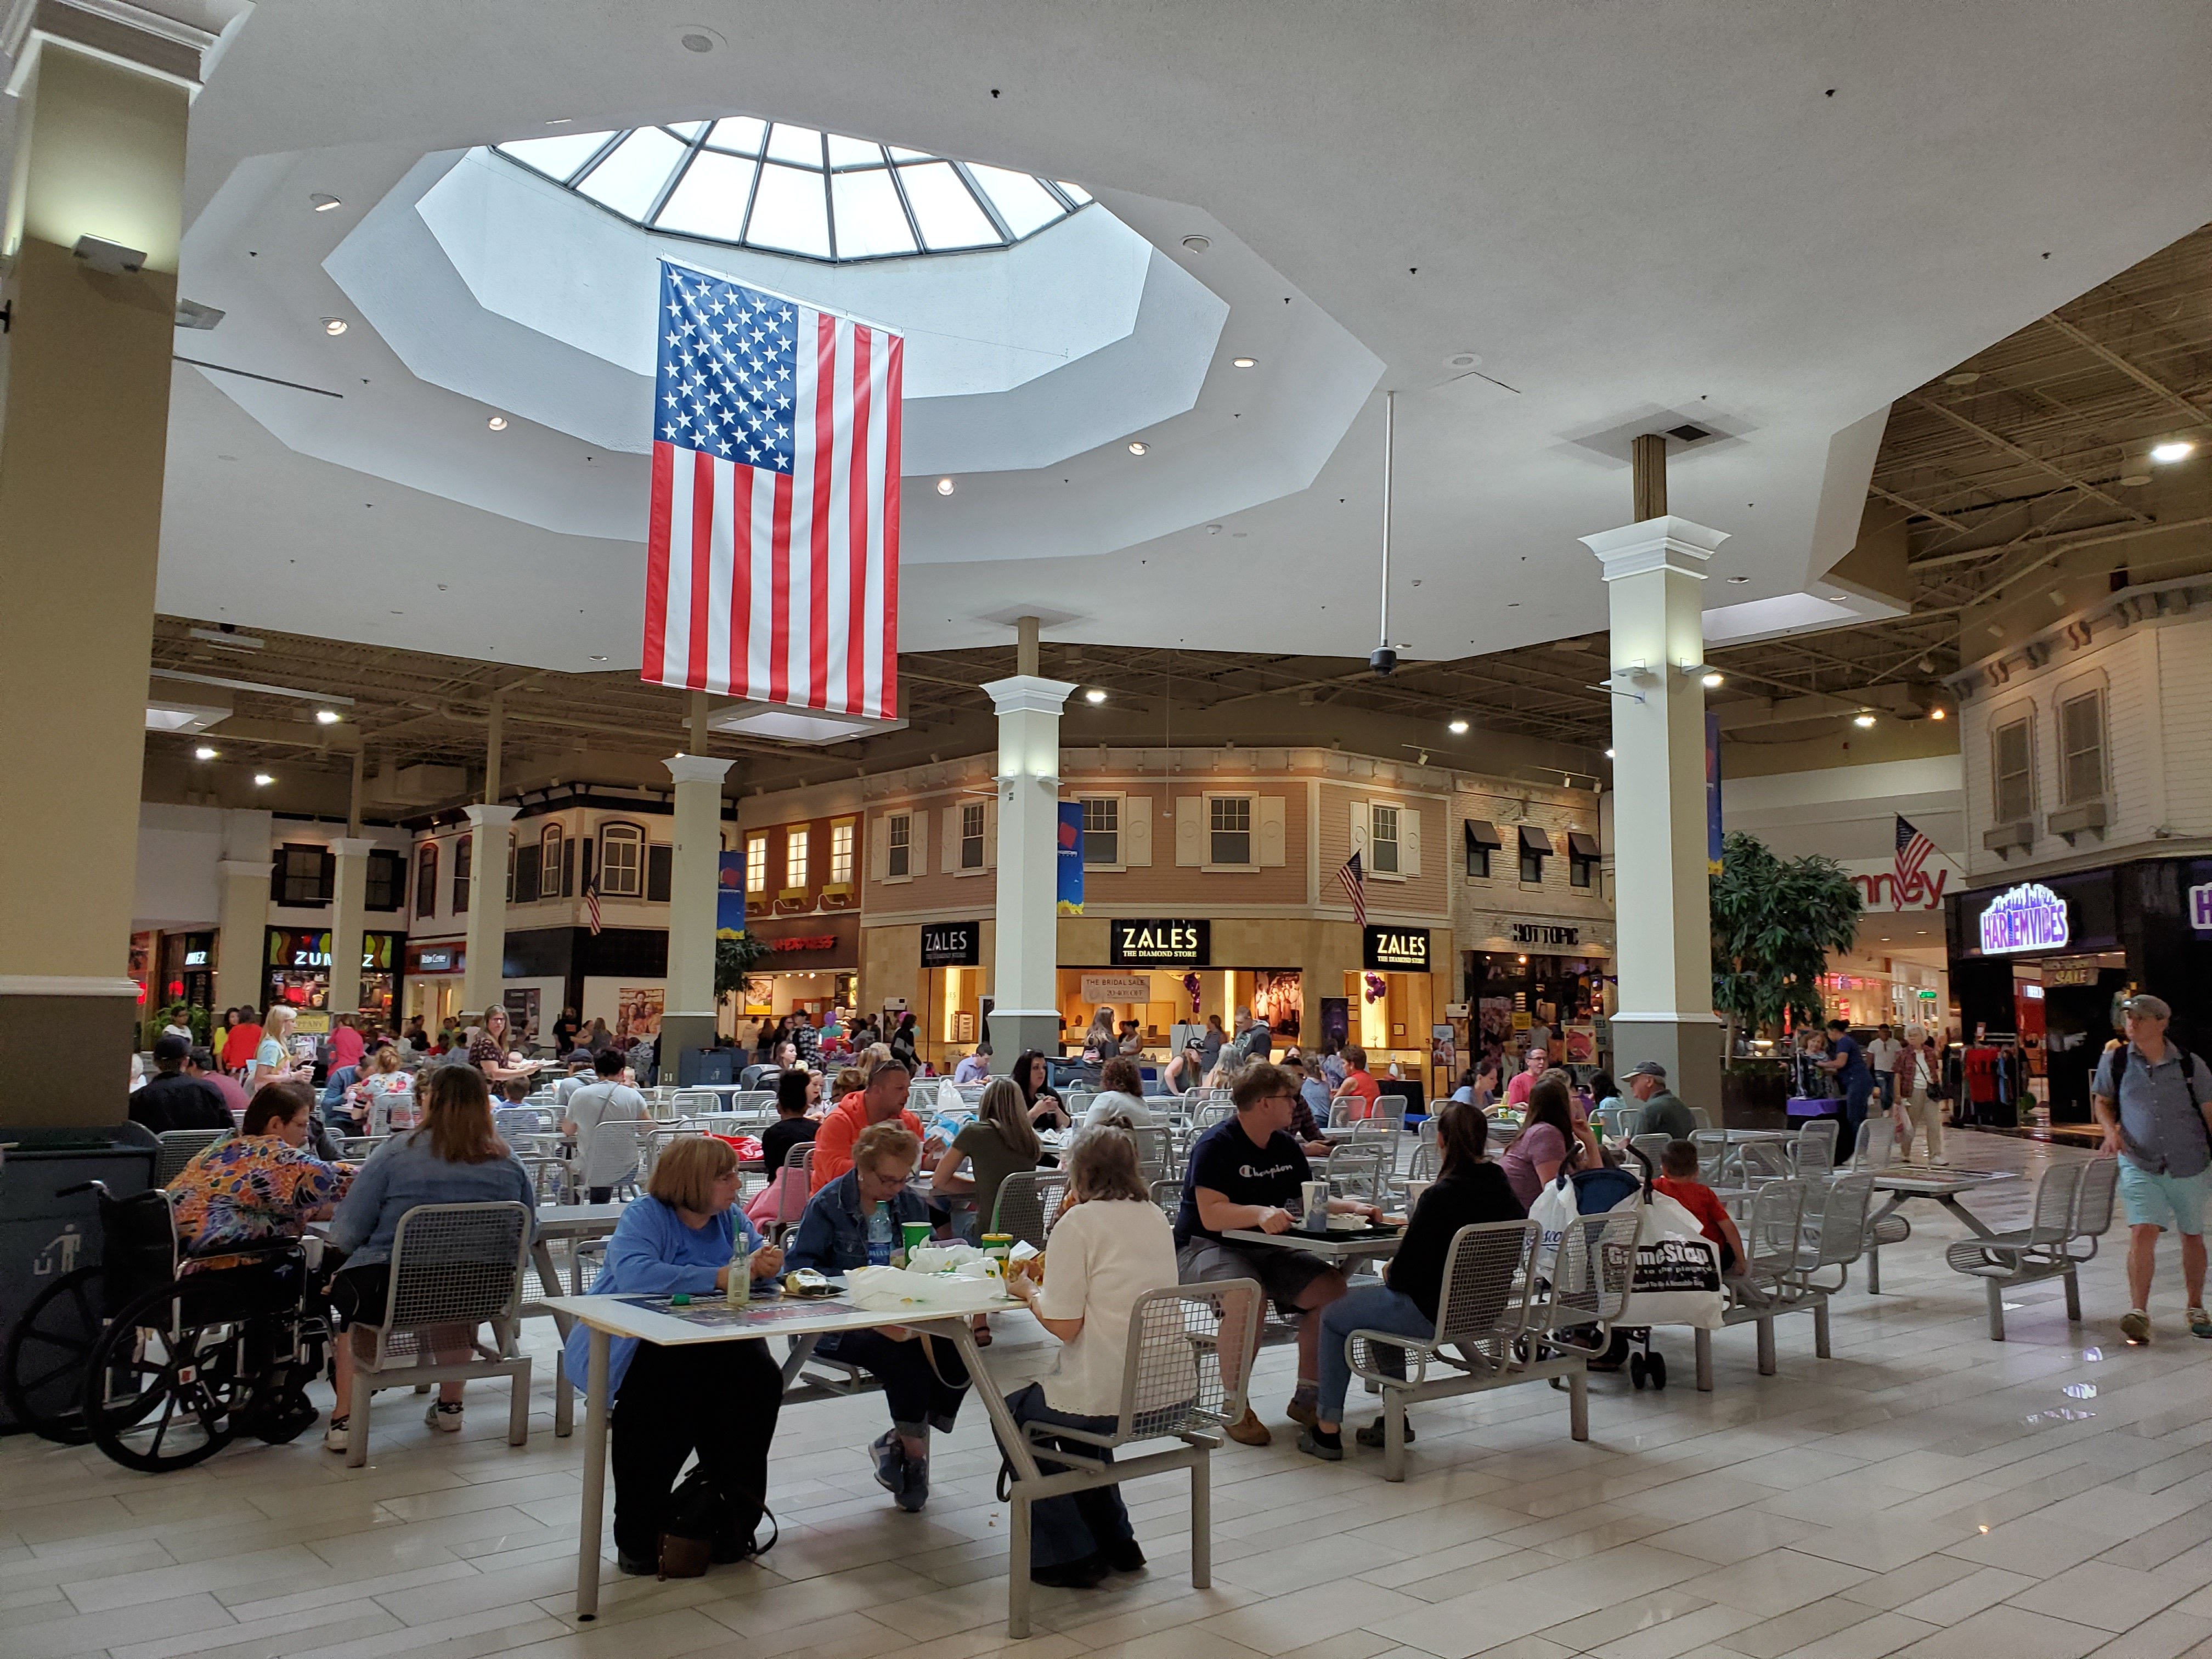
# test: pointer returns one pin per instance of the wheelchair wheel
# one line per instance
(44, 1375)
(1655, 1368)
(1638, 1369)
(165, 1382)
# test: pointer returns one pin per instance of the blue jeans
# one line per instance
(1854, 1114)
(1074, 1525)
(1886, 1082)
(1364, 1308)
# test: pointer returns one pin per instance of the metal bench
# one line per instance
(1774, 1281)
(2073, 1205)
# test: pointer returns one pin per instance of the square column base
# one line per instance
(1687, 1045)
(680, 1034)
(1013, 1031)
(97, 1031)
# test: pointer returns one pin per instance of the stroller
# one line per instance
(1598, 1192)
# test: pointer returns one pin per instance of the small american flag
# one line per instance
(1354, 878)
(1913, 850)
(772, 549)
(591, 905)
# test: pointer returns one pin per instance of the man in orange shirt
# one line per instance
(882, 1101)
(1357, 1083)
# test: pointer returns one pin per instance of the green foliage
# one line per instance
(1775, 922)
(735, 955)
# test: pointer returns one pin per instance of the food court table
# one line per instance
(609, 1317)
(1902, 1181)
(1336, 1248)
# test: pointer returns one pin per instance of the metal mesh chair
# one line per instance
(1167, 1194)
(1700, 1117)
(454, 1266)
(1762, 1161)
(1356, 1167)
(179, 1147)
(1771, 1280)
(549, 1175)
(1028, 1203)
(2092, 1210)
(525, 1119)
(791, 1195)
(2040, 1250)
(658, 1140)
(1154, 1152)
(1876, 1143)
(1834, 1233)
(1653, 1147)
(1582, 1283)
(1217, 1111)
(1712, 1154)
(755, 1103)
(1813, 1154)
(1173, 1387)
(618, 1147)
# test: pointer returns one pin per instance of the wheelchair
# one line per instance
(161, 1364)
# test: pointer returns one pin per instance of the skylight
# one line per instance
(785, 189)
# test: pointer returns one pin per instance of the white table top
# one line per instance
(1924, 1182)
(1335, 1248)
(764, 1316)
(577, 1220)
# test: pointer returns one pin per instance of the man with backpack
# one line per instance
(2151, 1098)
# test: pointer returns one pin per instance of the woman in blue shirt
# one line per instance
(718, 1399)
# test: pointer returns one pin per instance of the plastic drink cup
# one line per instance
(1315, 1194)
(999, 1245)
(917, 1235)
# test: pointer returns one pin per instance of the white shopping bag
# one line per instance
(949, 1098)
(879, 1290)
(1678, 1269)
(1554, 1211)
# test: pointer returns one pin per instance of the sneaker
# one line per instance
(636, 1567)
(2200, 1322)
(1371, 1435)
(915, 1492)
(338, 1437)
(1125, 1557)
(445, 1416)
(1330, 1450)
(1249, 1431)
(1303, 1409)
(890, 1461)
(1087, 1574)
(2135, 1324)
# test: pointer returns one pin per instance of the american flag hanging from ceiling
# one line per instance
(772, 556)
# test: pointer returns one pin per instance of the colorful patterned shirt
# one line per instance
(250, 1188)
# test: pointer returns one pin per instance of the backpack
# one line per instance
(2188, 1070)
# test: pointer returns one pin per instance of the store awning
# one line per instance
(1535, 840)
(1581, 846)
(1481, 835)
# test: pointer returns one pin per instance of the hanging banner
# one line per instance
(1712, 794)
(730, 896)
(1070, 862)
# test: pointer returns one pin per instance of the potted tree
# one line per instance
(1774, 923)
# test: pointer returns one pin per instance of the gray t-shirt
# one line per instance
(2161, 1130)
(605, 1160)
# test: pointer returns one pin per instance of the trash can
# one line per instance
(704, 1066)
(43, 1237)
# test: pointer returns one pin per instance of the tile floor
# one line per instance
(1925, 1492)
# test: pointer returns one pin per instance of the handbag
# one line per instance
(705, 1526)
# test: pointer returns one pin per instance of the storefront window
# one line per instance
(1231, 821)
(899, 853)
(971, 835)
(622, 858)
(551, 845)
(794, 859)
(1102, 829)
(304, 876)
(1382, 841)
(841, 854)
(426, 879)
(465, 858)
(2013, 784)
(387, 886)
(2081, 742)
(756, 865)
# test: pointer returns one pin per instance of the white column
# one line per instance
(689, 1021)
(240, 974)
(349, 896)
(485, 981)
(1654, 572)
(1025, 987)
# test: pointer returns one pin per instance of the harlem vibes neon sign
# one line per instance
(2028, 917)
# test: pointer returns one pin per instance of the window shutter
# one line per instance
(568, 867)
(880, 848)
(948, 845)
(1409, 841)
(1359, 822)
(1137, 831)
(991, 833)
(1191, 829)
(589, 867)
(659, 871)
(1269, 835)
(918, 859)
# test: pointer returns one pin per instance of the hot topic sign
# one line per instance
(2028, 917)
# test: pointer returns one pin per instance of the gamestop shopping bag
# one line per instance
(1678, 1270)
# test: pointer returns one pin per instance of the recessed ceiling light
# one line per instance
(1962, 377)
(2174, 449)
(1198, 244)
(1464, 359)
(944, 486)
(326, 717)
(1937, 714)
(1138, 449)
(334, 325)
(1739, 580)
(1095, 694)
(1244, 362)
(1862, 719)
(695, 40)
(203, 753)
(263, 780)
(1712, 682)
(599, 660)
(2134, 480)
(497, 423)
(323, 201)
(1457, 728)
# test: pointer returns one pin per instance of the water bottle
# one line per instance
(740, 1286)
(883, 1233)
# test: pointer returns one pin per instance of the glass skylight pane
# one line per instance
(557, 158)
(945, 211)
(898, 154)
(628, 179)
(711, 200)
(853, 152)
(1024, 204)
(1076, 193)
(789, 213)
(688, 131)
(869, 218)
(801, 145)
(741, 133)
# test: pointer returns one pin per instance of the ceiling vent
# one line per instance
(1687, 433)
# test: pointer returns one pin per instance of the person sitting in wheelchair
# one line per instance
(260, 1185)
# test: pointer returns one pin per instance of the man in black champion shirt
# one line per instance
(1247, 1174)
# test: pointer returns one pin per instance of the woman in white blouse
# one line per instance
(1109, 1245)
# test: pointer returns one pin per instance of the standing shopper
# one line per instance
(2151, 1096)
(1917, 1106)
(1846, 1063)
(1882, 1056)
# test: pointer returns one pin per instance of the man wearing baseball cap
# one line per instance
(1663, 1112)
(171, 1100)
(2151, 1096)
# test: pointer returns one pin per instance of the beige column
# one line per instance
(1025, 945)
(348, 914)
(486, 979)
(694, 873)
(240, 970)
(102, 97)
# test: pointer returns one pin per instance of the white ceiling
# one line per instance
(1767, 218)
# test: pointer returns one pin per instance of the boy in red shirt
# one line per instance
(1679, 1180)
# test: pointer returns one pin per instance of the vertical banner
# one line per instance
(729, 894)
(1070, 860)
(1713, 793)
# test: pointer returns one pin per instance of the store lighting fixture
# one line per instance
(1608, 754)
(1738, 581)
(326, 717)
(203, 753)
(1713, 680)
(1457, 728)
(1138, 448)
(334, 326)
(944, 486)
(1096, 694)
(1244, 362)
(1937, 714)
(497, 423)
(1864, 718)
(323, 201)
(263, 779)
(2175, 449)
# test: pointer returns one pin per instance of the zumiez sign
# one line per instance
(2028, 917)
